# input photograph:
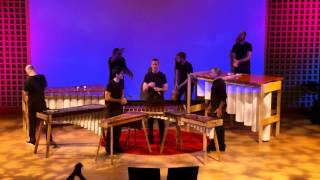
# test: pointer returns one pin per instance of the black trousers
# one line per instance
(33, 122)
(150, 127)
(183, 91)
(220, 131)
(116, 130)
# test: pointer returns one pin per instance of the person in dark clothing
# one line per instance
(182, 69)
(241, 55)
(34, 88)
(117, 61)
(217, 109)
(114, 99)
(155, 84)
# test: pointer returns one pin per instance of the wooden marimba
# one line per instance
(95, 111)
(122, 119)
(155, 111)
(204, 122)
(249, 98)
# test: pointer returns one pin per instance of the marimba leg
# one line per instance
(128, 138)
(204, 143)
(48, 136)
(38, 137)
(216, 143)
(164, 136)
(100, 141)
(111, 144)
(145, 133)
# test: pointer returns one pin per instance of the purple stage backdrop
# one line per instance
(71, 40)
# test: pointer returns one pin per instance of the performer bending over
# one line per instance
(118, 61)
(34, 88)
(114, 99)
(182, 69)
(155, 84)
(217, 108)
(241, 55)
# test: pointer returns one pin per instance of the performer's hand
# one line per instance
(123, 101)
(235, 63)
(152, 84)
(218, 112)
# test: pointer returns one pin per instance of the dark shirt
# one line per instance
(159, 79)
(115, 90)
(184, 70)
(35, 86)
(241, 51)
(218, 94)
(118, 63)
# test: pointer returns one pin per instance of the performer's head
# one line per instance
(117, 52)
(30, 71)
(117, 73)
(155, 65)
(216, 71)
(181, 57)
(241, 37)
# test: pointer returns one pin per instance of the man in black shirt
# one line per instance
(182, 69)
(241, 55)
(114, 99)
(155, 84)
(217, 108)
(117, 61)
(34, 87)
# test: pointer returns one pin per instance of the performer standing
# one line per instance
(182, 69)
(114, 99)
(118, 61)
(217, 109)
(34, 88)
(241, 55)
(155, 84)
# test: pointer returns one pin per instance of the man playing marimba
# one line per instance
(217, 108)
(34, 87)
(114, 97)
(182, 69)
(155, 84)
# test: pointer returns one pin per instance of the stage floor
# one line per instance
(294, 155)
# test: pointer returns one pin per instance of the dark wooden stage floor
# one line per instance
(294, 155)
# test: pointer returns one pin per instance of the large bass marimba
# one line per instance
(249, 98)
(94, 112)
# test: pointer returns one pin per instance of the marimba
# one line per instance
(66, 97)
(155, 111)
(95, 112)
(122, 119)
(249, 98)
(204, 122)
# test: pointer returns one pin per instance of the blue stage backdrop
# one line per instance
(72, 40)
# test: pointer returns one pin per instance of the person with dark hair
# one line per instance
(241, 55)
(217, 109)
(34, 88)
(182, 69)
(114, 99)
(155, 84)
(118, 61)
(76, 172)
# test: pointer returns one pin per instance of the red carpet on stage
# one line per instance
(191, 142)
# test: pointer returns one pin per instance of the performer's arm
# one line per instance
(164, 88)
(107, 97)
(146, 86)
(176, 78)
(247, 58)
